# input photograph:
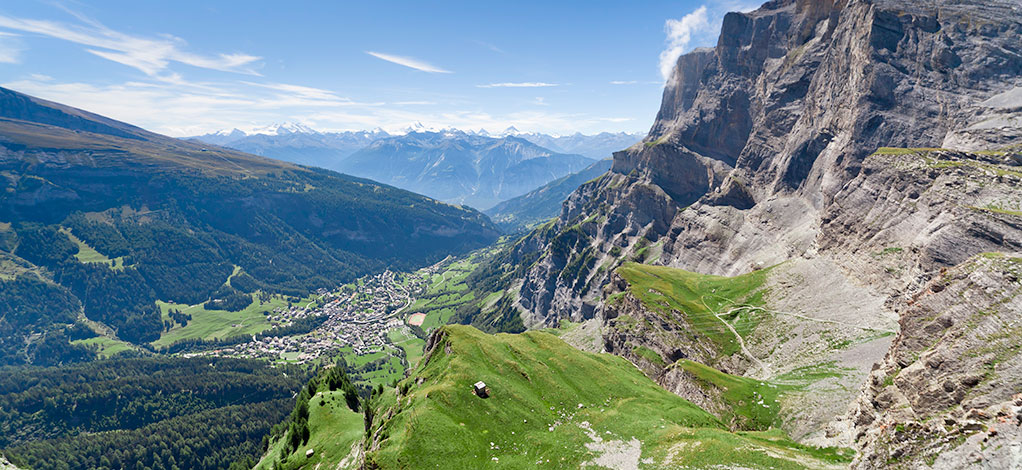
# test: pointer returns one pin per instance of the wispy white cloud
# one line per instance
(517, 85)
(150, 55)
(679, 35)
(187, 108)
(408, 62)
(298, 90)
(190, 108)
(10, 48)
(490, 47)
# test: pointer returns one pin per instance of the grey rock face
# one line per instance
(947, 393)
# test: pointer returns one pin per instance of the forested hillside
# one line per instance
(160, 413)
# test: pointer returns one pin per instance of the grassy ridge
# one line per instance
(551, 404)
(697, 298)
(751, 403)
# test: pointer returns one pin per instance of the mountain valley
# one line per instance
(812, 261)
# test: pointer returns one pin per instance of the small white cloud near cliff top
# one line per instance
(679, 35)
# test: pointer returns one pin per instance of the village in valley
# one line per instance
(359, 317)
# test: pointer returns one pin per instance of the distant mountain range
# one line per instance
(460, 168)
(281, 140)
(598, 146)
(296, 143)
(543, 203)
(475, 167)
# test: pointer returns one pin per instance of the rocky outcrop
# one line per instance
(947, 395)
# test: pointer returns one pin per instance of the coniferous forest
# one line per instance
(143, 412)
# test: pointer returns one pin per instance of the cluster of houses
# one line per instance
(358, 317)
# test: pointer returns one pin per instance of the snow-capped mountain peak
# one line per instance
(284, 128)
(419, 127)
(230, 133)
(511, 130)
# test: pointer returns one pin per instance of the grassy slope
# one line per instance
(333, 428)
(697, 297)
(752, 404)
(537, 383)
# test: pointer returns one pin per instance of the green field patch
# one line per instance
(649, 354)
(437, 317)
(237, 270)
(715, 448)
(87, 254)
(380, 367)
(906, 151)
(996, 209)
(563, 327)
(696, 299)
(210, 324)
(446, 292)
(106, 347)
(812, 373)
(411, 344)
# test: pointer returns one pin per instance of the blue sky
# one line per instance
(190, 67)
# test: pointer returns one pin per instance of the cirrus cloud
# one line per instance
(149, 55)
(409, 62)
